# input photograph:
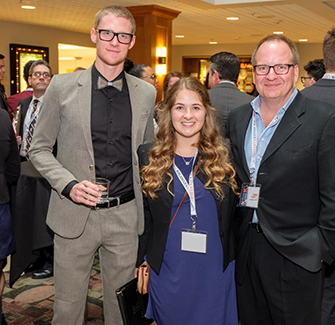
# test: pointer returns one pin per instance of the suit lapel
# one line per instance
(289, 123)
(243, 124)
(84, 106)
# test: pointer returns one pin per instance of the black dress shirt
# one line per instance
(111, 121)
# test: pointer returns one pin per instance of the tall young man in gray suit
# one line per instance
(283, 147)
(324, 90)
(99, 117)
(224, 95)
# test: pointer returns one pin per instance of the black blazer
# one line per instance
(157, 214)
(297, 176)
(24, 105)
(9, 156)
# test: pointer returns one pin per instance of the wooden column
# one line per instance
(153, 31)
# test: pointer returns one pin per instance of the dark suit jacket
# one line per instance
(297, 176)
(157, 214)
(225, 97)
(24, 105)
(9, 156)
(323, 89)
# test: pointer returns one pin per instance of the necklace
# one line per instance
(187, 162)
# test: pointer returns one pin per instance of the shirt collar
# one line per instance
(256, 103)
(96, 74)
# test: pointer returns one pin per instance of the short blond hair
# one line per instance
(117, 11)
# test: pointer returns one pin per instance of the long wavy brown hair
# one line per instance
(214, 154)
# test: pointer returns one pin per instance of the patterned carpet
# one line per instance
(30, 301)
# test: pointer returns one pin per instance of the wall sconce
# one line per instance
(161, 57)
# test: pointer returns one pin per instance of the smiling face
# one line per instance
(188, 115)
(273, 87)
(112, 53)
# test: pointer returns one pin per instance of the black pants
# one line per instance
(276, 291)
(328, 298)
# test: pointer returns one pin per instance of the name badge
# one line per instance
(250, 196)
(193, 241)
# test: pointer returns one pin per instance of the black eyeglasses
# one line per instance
(304, 78)
(279, 69)
(153, 76)
(108, 35)
(37, 74)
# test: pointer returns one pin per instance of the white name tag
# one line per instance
(193, 241)
(250, 196)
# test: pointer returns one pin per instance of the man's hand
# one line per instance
(18, 140)
(85, 192)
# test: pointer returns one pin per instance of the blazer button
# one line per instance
(91, 167)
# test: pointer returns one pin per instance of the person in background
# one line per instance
(9, 172)
(191, 278)
(3, 96)
(283, 150)
(224, 94)
(40, 74)
(315, 70)
(99, 117)
(324, 90)
(128, 64)
(144, 72)
(14, 100)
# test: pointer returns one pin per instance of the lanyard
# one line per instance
(189, 188)
(254, 144)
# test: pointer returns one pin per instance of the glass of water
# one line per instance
(103, 185)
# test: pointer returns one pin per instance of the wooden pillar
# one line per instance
(153, 33)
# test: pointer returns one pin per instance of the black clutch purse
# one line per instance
(132, 304)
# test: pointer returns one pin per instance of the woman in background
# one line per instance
(192, 260)
(9, 172)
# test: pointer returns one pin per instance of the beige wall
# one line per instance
(307, 52)
(38, 36)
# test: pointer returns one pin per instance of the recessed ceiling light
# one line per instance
(179, 36)
(278, 33)
(232, 18)
(303, 40)
(28, 7)
(213, 42)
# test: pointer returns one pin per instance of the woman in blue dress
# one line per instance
(9, 172)
(192, 259)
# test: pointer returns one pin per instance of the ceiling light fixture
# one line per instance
(28, 7)
(303, 40)
(179, 36)
(278, 33)
(232, 18)
(213, 42)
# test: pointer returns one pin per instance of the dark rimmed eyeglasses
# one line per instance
(108, 35)
(303, 79)
(153, 77)
(280, 69)
(38, 74)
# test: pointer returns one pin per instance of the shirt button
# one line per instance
(91, 167)
(110, 142)
(111, 121)
(110, 100)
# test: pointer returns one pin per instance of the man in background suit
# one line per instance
(99, 117)
(315, 70)
(14, 100)
(283, 147)
(39, 78)
(324, 90)
(224, 95)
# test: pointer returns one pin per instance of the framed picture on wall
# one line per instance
(19, 56)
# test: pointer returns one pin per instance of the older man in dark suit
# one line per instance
(283, 146)
(99, 117)
(324, 90)
(224, 94)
